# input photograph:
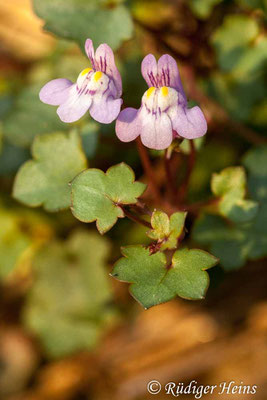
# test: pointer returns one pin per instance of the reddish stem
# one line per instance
(135, 218)
(191, 163)
(148, 169)
(194, 208)
(171, 188)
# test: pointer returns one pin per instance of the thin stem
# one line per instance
(135, 218)
(141, 208)
(195, 207)
(170, 181)
(148, 169)
(191, 163)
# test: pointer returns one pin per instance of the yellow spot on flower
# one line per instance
(85, 71)
(97, 75)
(150, 91)
(164, 91)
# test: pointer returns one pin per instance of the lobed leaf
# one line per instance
(82, 19)
(68, 305)
(98, 196)
(232, 38)
(230, 186)
(30, 117)
(167, 230)
(44, 180)
(154, 282)
(238, 242)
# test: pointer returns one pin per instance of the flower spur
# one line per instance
(97, 89)
(163, 114)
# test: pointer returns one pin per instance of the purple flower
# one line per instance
(163, 114)
(97, 89)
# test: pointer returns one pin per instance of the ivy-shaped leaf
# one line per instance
(98, 196)
(233, 244)
(230, 186)
(82, 19)
(167, 230)
(57, 159)
(236, 243)
(154, 282)
(256, 163)
(68, 305)
(11, 158)
(30, 117)
(89, 135)
(232, 39)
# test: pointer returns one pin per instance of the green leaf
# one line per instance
(185, 145)
(153, 282)
(228, 243)
(203, 8)
(57, 159)
(230, 186)
(236, 243)
(232, 38)
(233, 244)
(256, 163)
(21, 233)
(13, 243)
(89, 134)
(253, 61)
(67, 307)
(97, 196)
(167, 230)
(206, 164)
(254, 4)
(11, 158)
(82, 19)
(30, 117)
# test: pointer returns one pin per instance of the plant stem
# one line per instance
(170, 181)
(191, 163)
(148, 169)
(135, 218)
(194, 208)
(141, 208)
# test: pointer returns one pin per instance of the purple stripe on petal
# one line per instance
(168, 74)
(156, 131)
(75, 106)
(105, 110)
(149, 70)
(189, 123)
(128, 125)
(89, 49)
(55, 92)
(104, 58)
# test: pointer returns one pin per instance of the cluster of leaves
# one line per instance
(240, 233)
(232, 227)
(101, 197)
(241, 49)
(70, 301)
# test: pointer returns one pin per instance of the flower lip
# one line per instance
(97, 89)
(157, 100)
(163, 114)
